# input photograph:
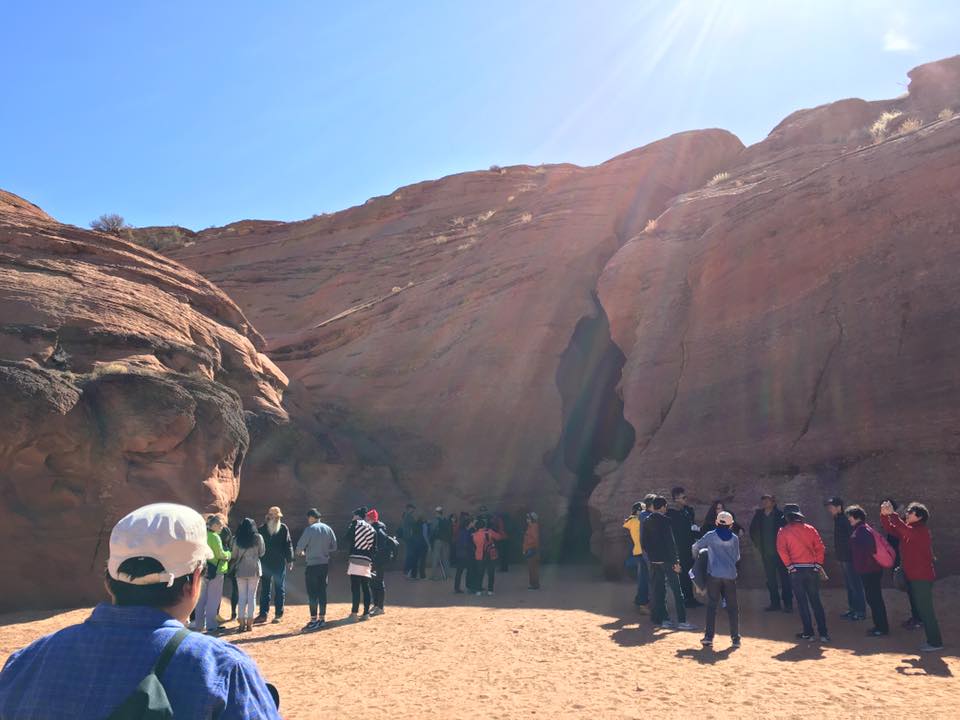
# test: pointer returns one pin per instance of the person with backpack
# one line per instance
(361, 538)
(802, 552)
(385, 550)
(317, 543)
(211, 590)
(723, 553)
(245, 566)
(135, 648)
(485, 543)
(870, 554)
(916, 553)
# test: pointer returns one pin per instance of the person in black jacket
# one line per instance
(685, 532)
(856, 600)
(230, 578)
(274, 564)
(384, 550)
(660, 547)
(766, 523)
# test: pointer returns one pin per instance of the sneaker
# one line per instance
(686, 626)
(259, 619)
(735, 641)
(911, 624)
(706, 641)
(857, 617)
(848, 615)
(533, 587)
(643, 609)
(478, 593)
(353, 616)
(825, 638)
(927, 647)
(667, 625)
(277, 619)
(489, 592)
(365, 616)
(312, 625)
(805, 636)
(876, 632)
(376, 611)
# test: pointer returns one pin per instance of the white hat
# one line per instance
(724, 518)
(173, 535)
(438, 508)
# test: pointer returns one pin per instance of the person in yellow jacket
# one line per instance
(636, 560)
(211, 585)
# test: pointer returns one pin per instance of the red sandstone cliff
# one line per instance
(124, 379)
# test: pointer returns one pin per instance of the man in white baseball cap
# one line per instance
(158, 554)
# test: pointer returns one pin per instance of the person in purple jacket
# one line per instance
(863, 551)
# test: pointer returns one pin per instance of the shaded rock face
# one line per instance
(423, 332)
(795, 329)
(124, 379)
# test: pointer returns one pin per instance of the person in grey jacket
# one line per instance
(316, 544)
(245, 563)
(723, 548)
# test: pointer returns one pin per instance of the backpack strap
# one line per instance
(168, 650)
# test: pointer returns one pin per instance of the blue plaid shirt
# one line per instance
(87, 670)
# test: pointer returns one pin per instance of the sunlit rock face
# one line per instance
(423, 332)
(794, 328)
(125, 378)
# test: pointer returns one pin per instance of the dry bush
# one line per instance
(909, 125)
(109, 223)
(496, 169)
(650, 226)
(526, 217)
(881, 126)
(718, 178)
(945, 114)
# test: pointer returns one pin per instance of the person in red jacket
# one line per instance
(863, 551)
(916, 556)
(484, 542)
(801, 549)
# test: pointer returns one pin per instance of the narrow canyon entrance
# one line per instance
(594, 428)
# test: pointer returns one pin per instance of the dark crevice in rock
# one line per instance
(815, 394)
(594, 429)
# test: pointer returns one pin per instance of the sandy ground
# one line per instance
(577, 648)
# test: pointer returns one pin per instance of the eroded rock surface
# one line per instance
(125, 378)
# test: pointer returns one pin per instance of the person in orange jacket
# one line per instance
(531, 549)
(802, 551)
(485, 546)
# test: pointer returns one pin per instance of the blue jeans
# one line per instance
(856, 600)
(643, 578)
(806, 590)
(279, 591)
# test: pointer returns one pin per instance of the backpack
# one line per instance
(149, 700)
(884, 554)
(386, 549)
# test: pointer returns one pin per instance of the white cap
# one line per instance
(438, 508)
(173, 535)
(724, 518)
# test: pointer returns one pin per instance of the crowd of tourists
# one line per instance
(671, 551)
(471, 546)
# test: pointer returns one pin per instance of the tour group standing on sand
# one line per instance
(167, 563)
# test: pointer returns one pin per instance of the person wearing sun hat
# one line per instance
(158, 555)
(276, 561)
(802, 551)
(723, 554)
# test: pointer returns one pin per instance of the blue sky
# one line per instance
(201, 113)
